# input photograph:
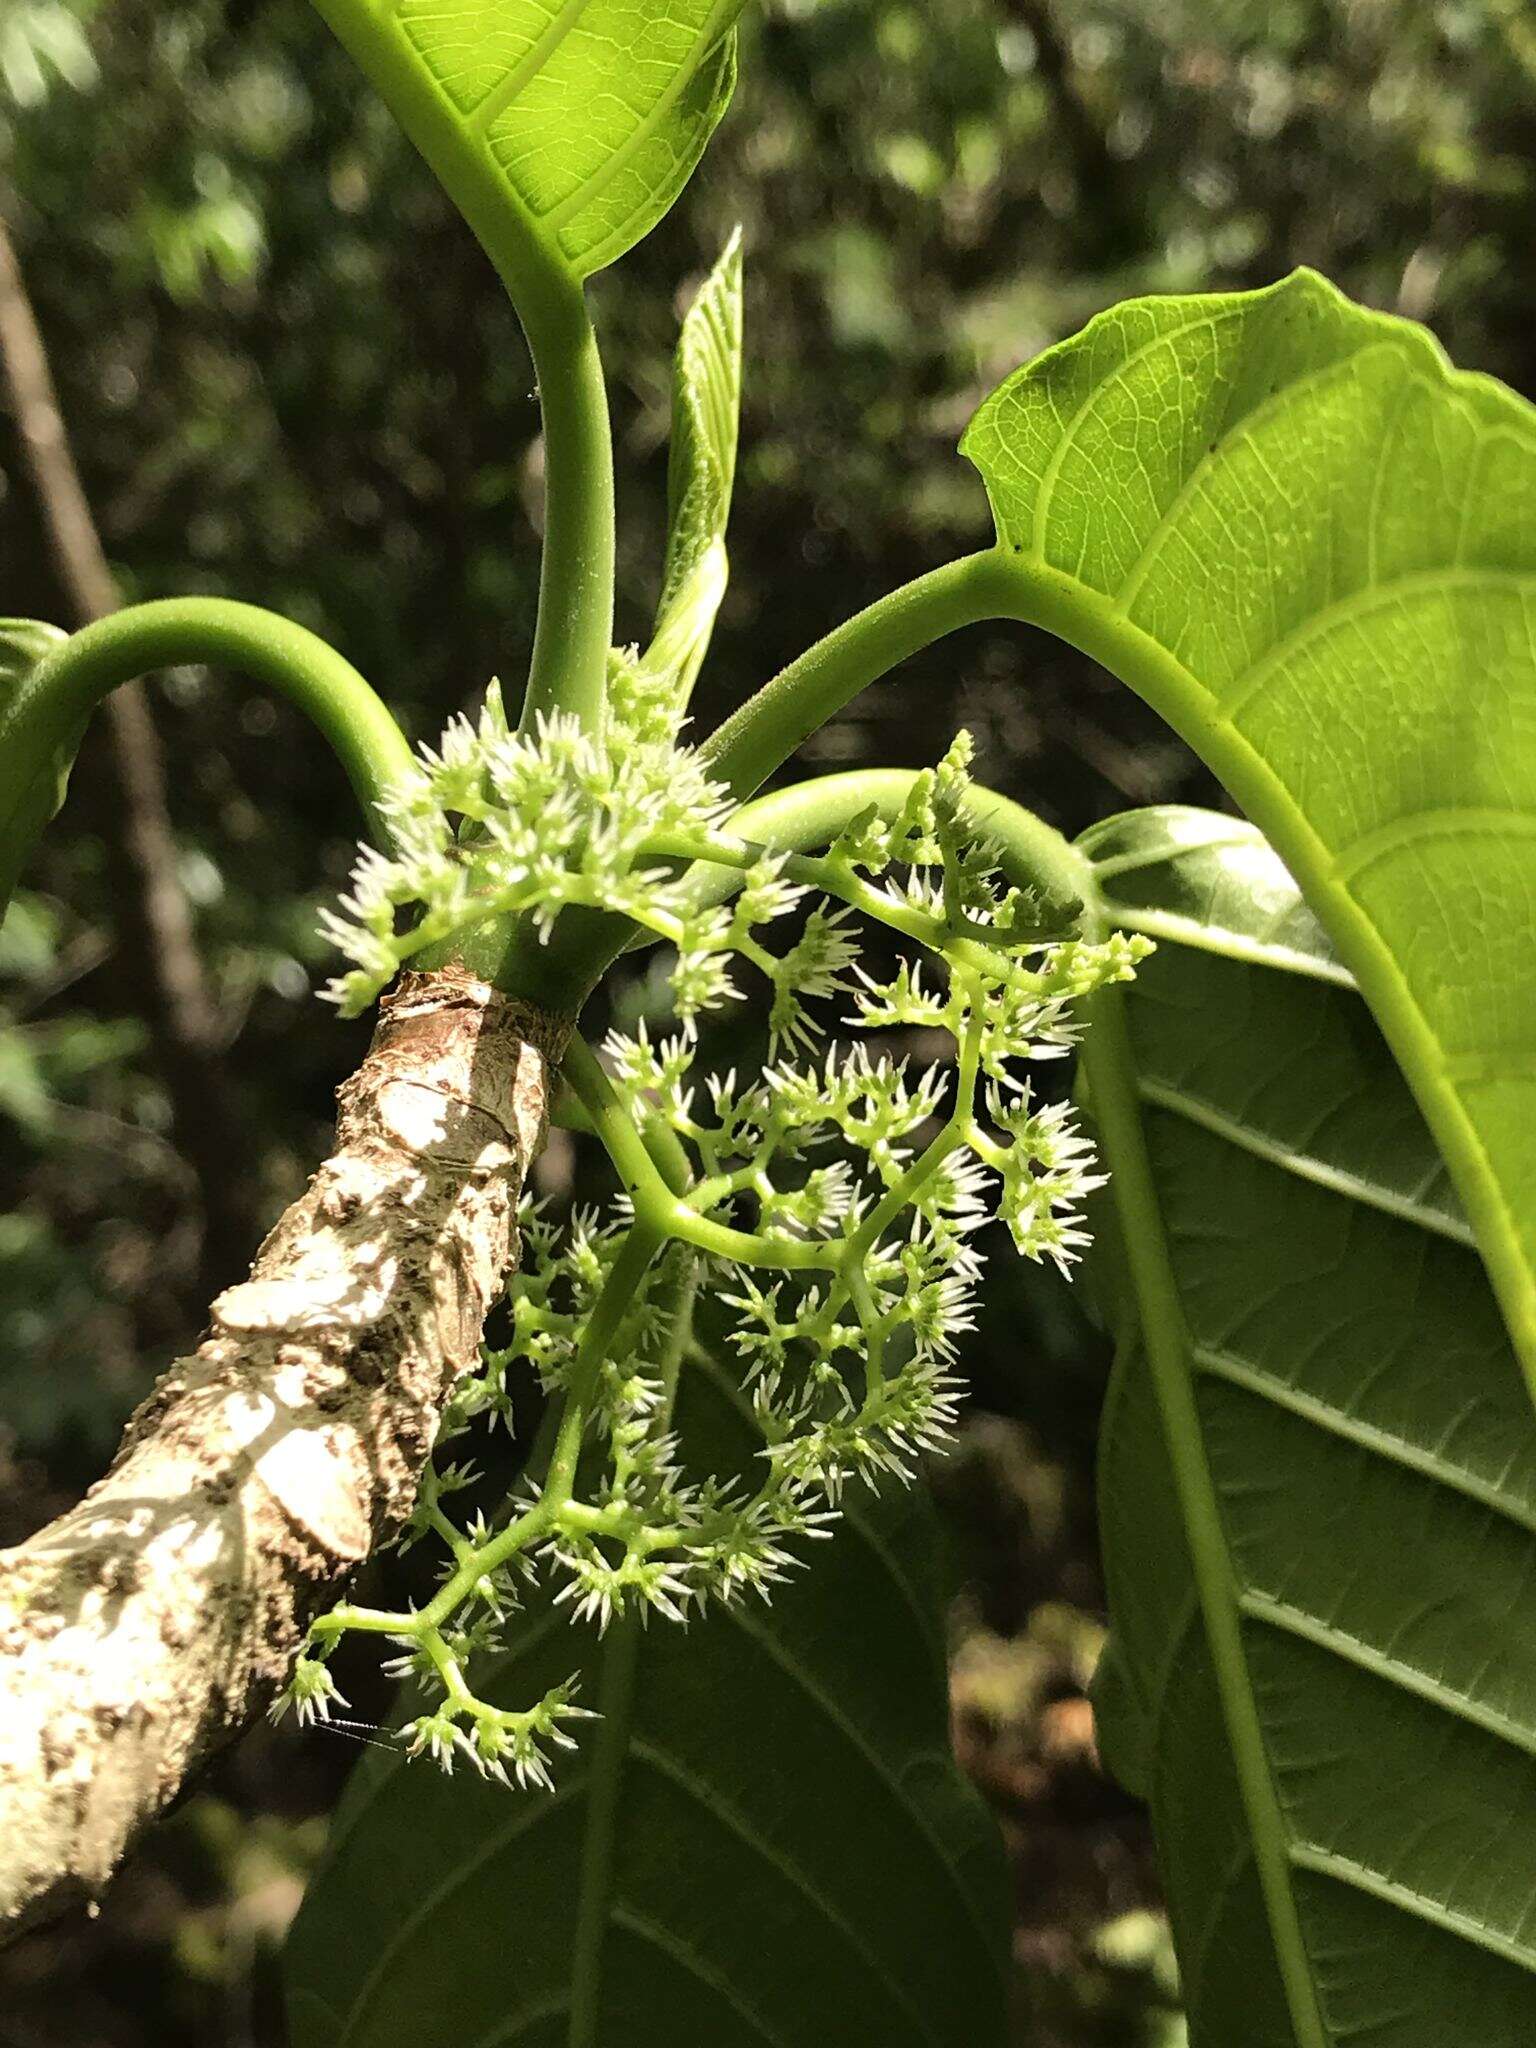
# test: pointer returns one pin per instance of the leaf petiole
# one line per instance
(69, 682)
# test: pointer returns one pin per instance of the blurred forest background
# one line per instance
(288, 376)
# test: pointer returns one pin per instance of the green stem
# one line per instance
(66, 686)
(676, 1302)
(448, 1670)
(749, 1247)
(376, 1621)
(569, 669)
(647, 1183)
(624, 1277)
(667, 1154)
(456, 1589)
(655, 1190)
(895, 1198)
(767, 729)
(575, 623)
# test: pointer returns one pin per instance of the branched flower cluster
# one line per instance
(831, 1203)
(497, 823)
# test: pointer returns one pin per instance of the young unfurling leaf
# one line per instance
(706, 401)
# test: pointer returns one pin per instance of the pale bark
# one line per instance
(145, 1627)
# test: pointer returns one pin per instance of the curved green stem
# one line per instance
(807, 815)
(658, 1206)
(812, 814)
(64, 688)
(766, 730)
(794, 820)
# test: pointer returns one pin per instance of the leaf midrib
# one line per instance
(1254, 1607)
(1167, 1348)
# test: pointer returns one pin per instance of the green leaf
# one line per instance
(706, 406)
(1311, 545)
(763, 1841)
(1317, 1488)
(569, 126)
(31, 788)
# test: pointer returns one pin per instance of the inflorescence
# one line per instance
(830, 1203)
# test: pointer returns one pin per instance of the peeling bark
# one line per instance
(144, 1628)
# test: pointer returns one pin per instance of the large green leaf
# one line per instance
(763, 1841)
(1312, 546)
(570, 124)
(1318, 1487)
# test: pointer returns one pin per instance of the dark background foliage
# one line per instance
(288, 377)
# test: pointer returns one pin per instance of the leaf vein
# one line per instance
(1429, 827)
(1361, 1877)
(1366, 1436)
(525, 1816)
(713, 1802)
(598, 180)
(1392, 1670)
(688, 1959)
(1337, 1180)
(533, 61)
(833, 1714)
(1347, 610)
